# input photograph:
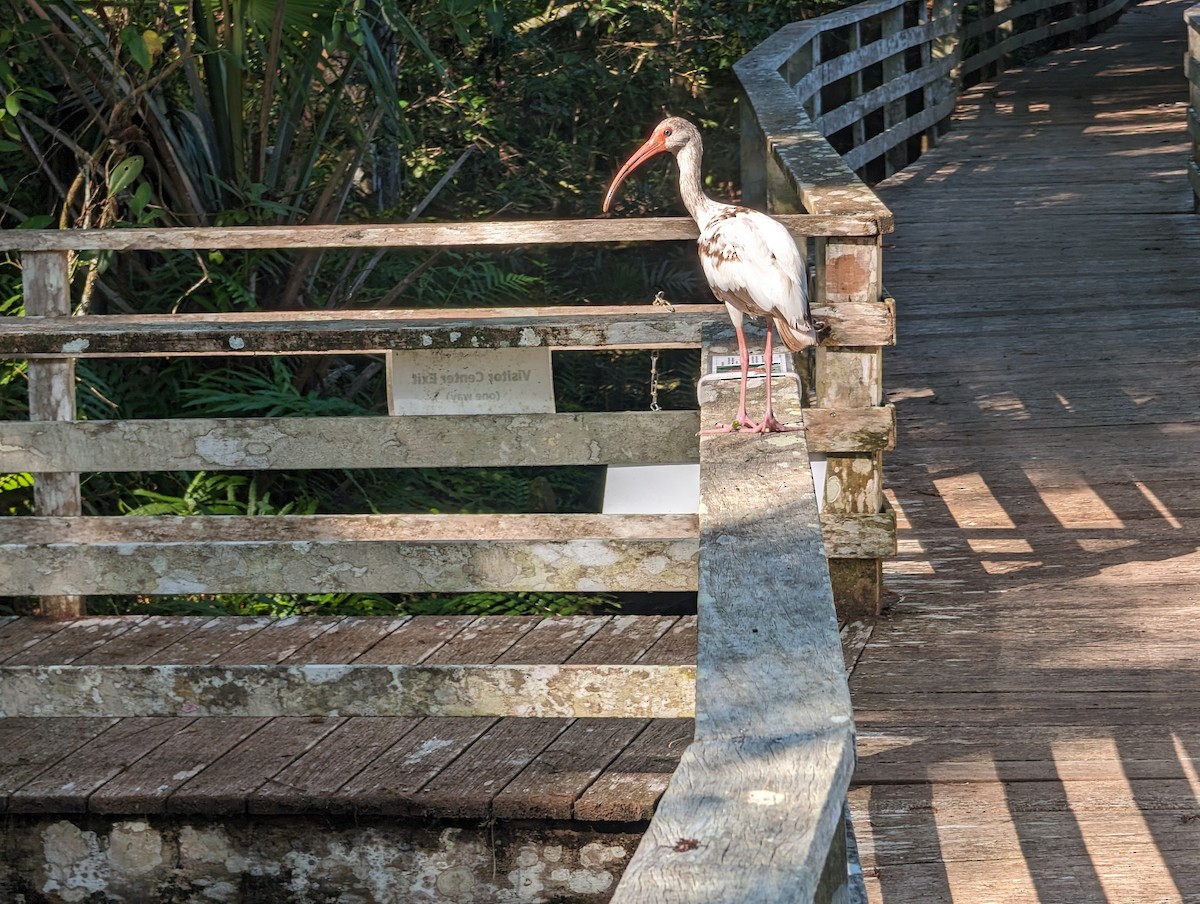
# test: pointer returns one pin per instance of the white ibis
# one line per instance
(751, 261)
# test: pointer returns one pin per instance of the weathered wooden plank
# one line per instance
(390, 785)
(224, 786)
(787, 795)
(322, 332)
(21, 634)
(196, 444)
(678, 645)
(29, 747)
(624, 639)
(550, 691)
(483, 640)
(77, 639)
(364, 332)
(277, 640)
(629, 437)
(415, 641)
(553, 640)
(347, 641)
(209, 641)
(860, 536)
(1078, 875)
(399, 235)
(629, 789)
(144, 638)
(465, 788)
(354, 553)
(66, 786)
(785, 622)
(549, 786)
(310, 782)
(269, 443)
(146, 785)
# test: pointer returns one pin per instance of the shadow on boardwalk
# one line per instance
(1028, 710)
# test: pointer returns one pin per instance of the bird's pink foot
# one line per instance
(770, 425)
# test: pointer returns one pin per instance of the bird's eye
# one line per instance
(667, 133)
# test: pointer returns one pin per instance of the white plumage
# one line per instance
(750, 260)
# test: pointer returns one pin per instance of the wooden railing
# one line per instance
(880, 79)
(774, 733)
(1192, 70)
(56, 447)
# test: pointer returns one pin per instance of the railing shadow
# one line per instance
(1026, 715)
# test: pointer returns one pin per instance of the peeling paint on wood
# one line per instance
(537, 691)
(351, 553)
(193, 444)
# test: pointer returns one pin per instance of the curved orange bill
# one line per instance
(656, 145)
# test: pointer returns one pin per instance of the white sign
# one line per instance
(652, 490)
(720, 365)
(470, 381)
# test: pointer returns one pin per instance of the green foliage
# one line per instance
(355, 604)
(216, 494)
(508, 604)
(16, 494)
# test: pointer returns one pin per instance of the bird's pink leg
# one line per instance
(741, 420)
(769, 424)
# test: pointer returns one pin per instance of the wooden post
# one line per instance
(754, 154)
(893, 68)
(848, 377)
(1002, 32)
(950, 45)
(46, 280)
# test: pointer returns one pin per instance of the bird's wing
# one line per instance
(752, 262)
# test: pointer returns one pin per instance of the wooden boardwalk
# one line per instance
(1029, 708)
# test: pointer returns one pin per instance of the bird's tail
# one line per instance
(796, 336)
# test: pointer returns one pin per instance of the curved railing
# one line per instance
(879, 79)
(1192, 68)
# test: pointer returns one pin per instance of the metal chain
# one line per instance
(654, 406)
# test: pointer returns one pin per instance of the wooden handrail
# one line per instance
(755, 806)
(402, 235)
(321, 332)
